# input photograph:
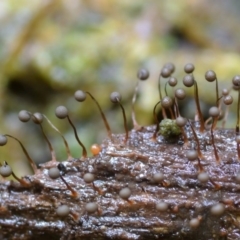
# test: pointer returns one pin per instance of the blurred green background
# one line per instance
(49, 49)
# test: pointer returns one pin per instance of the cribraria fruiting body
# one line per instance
(137, 185)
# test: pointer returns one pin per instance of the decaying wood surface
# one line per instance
(30, 212)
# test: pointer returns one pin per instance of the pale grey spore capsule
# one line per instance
(225, 91)
(172, 81)
(167, 102)
(143, 74)
(54, 173)
(37, 118)
(170, 66)
(236, 80)
(228, 100)
(5, 170)
(88, 177)
(115, 97)
(61, 112)
(91, 207)
(192, 155)
(3, 140)
(24, 116)
(125, 193)
(214, 112)
(161, 206)
(166, 72)
(189, 68)
(80, 95)
(188, 81)
(203, 177)
(210, 76)
(217, 209)
(63, 211)
(180, 93)
(158, 177)
(194, 222)
(181, 122)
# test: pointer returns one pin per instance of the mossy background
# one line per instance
(49, 49)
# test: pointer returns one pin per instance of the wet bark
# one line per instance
(29, 212)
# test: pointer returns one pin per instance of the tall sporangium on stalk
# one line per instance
(177, 179)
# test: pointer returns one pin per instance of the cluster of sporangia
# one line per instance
(169, 128)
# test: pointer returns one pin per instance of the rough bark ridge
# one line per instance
(30, 212)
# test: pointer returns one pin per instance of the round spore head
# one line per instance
(165, 72)
(217, 209)
(5, 170)
(80, 95)
(115, 97)
(161, 206)
(37, 118)
(167, 102)
(170, 66)
(225, 91)
(194, 222)
(91, 207)
(236, 80)
(54, 173)
(158, 177)
(125, 193)
(214, 112)
(143, 74)
(210, 76)
(63, 211)
(189, 68)
(88, 177)
(203, 177)
(181, 122)
(192, 155)
(180, 93)
(172, 81)
(24, 116)
(3, 140)
(61, 112)
(228, 100)
(188, 80)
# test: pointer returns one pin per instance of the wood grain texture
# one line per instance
(30, 212)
